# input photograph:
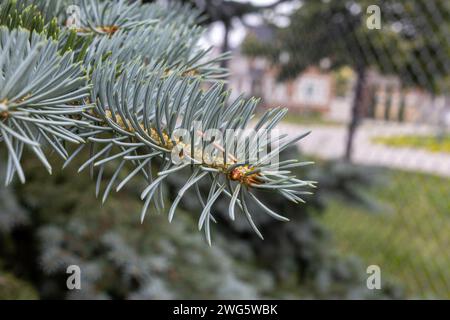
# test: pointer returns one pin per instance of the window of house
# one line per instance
(312, 91)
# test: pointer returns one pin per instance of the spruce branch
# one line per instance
(171, 46)
(39, 88)
(143, 109)
(123, 84)
(106, 18)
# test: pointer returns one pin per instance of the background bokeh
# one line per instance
(377, 103)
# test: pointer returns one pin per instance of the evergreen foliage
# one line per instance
(119, 78)
(122, 259)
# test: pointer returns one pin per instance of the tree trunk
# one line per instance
(356, 112)
(225, 42)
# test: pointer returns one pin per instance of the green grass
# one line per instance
(309, 119)
(305, 119)
(409, 239)
(429, 143)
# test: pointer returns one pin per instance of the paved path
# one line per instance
(328, 142)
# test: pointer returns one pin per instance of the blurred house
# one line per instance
(389, 101)
(311, 91)
(319, 91)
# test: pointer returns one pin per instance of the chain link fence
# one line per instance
(375, 75)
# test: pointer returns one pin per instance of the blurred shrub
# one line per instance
(122, 259)
(12, 288)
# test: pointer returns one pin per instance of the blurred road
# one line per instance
(328, 142)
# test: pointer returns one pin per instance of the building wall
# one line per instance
(313, 90)
(310, 91)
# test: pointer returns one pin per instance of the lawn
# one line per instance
(305, 119)
(315, 119)
(409, 239)
(430, 143)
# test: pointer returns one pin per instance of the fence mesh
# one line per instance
(403, 118)
(396, 98)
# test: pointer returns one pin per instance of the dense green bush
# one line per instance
(120, 258)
